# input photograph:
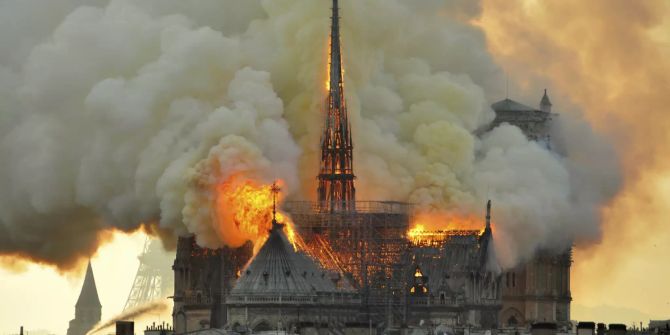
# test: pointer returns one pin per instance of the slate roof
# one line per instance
(89, 293)
(278, 269)
(509, 105)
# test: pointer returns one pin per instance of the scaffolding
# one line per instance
(369, 245)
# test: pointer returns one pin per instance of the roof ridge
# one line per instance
(508, 104)
(279, 268)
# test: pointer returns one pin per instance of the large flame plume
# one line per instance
(244, 212)
(428, 227)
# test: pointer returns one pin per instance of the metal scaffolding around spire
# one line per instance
(336, 191)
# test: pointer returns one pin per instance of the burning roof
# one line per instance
(280, 269)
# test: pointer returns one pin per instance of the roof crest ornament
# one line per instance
(275, 189)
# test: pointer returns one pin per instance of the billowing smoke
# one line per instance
(126, 112)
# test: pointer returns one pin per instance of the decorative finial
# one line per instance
(275, 189)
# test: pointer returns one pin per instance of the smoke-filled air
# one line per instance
(122, 114)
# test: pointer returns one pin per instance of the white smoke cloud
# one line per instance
(122, 112)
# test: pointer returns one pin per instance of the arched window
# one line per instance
(512, 321)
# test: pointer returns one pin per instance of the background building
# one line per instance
(88, 308)
(203, 278)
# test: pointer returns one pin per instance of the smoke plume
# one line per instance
(133, 313)
(123, 112)
(619, 76)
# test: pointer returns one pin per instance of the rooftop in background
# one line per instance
(509, 105)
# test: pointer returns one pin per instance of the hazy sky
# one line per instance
(609, 59)
(612, 59)
(43, 299)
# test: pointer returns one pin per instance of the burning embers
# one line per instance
(244, 210)
(436, 228)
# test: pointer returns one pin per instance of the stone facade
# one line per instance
(535, 123)
(202, 279)
(538, 290)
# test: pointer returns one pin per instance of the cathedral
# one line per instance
(358, 269)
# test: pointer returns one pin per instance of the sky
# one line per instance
(612, 59)
(607, 62)
(44, 298)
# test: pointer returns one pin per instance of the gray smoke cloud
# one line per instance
(123, 112)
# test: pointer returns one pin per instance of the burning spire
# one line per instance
(336, 191)
(485, 238)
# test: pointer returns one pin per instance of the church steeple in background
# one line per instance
(336, 191)
(88, 309)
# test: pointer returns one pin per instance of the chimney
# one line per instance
(21, 333)
(125, 328)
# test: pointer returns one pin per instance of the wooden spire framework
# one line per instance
(336, 191)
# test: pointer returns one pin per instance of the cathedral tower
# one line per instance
(336, 190)
(545, 103)
(88, 307)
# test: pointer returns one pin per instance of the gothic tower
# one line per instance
(545, 103)
(88, 307)
(336, 190)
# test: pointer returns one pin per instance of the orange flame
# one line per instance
(330, 41)
(435, 226)
(244, 212)
(329, 63)
(418, 273)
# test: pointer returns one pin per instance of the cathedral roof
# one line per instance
(509, 105)
(89, 293)
(279, 269)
